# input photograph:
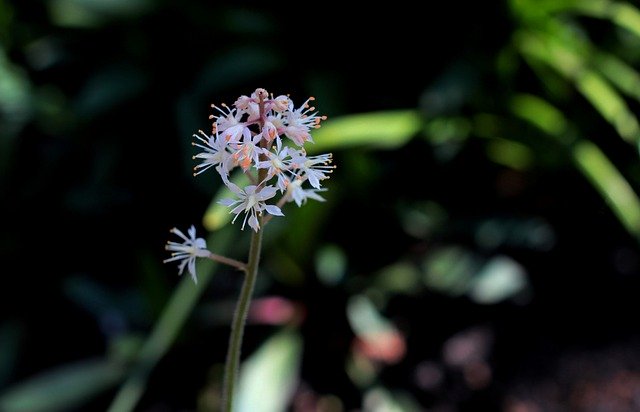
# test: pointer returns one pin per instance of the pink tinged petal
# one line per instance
(273, 210)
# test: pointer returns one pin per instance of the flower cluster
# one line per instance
(265, 137)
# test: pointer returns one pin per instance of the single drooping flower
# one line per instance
(300, 195)
(187, 251)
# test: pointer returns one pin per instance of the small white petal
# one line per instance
(253, 222)
(267, 193)
(273, 210)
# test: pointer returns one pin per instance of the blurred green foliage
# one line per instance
(484, 208)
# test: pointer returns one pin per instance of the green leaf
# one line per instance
(604, 176)
(619, 73)
(62, 389)
(499, 279)
(269, 376)
(381, 130)
(620, 13)
(10, 335)
(540, 113)
(564, 58)
(590, 161)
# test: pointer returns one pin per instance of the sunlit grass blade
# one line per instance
(604, 176)
(619, 73)
(588, 158)
(269, 376)
(602, 96)
(380, 130)
(622, 14)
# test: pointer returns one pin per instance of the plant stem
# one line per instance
(228, 261)
(239, 319)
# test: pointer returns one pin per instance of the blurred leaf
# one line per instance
(604, 176)
(499, 279)
(10, 337)
(237, 66)
(597, 168)
(364, 318)
(108, 89)
(6, 23)
(166, 329)
(92, 13)
(621, 13)
(62, 389)
(510, 154)
(610, 105)
(331, 264)
(400, 277)
(423, 219)
(530, 233)
(450, 270)
(565, 59)
(540, 113)
(269, 376)
(381, 130)
(450, 91)
(15, 106)
(619, 73)
(217, 215)
(444, 129)
(379, 399)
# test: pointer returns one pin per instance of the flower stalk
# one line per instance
(249, 136)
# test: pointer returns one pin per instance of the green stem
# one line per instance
(239, 319)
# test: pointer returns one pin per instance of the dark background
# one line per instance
(99, 101)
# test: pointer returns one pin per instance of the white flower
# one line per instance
(215, 153)
(248, 151)
(300, 121)
(187, 251)
(315, 168)
(251, 201)
(249, 105)
(279, 162)
(229, 124)
(300, 195)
